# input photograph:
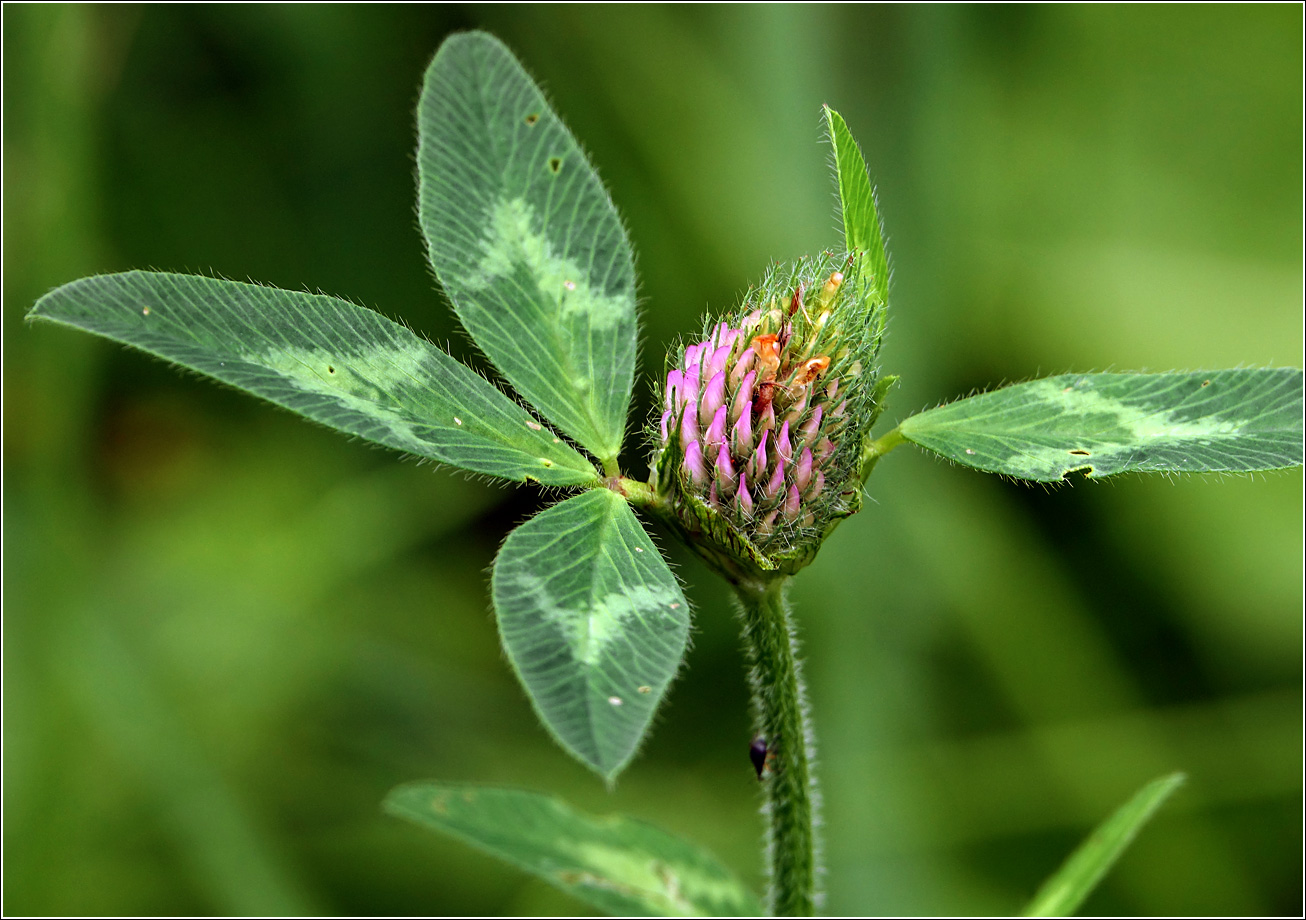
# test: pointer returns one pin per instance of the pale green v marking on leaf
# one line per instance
(526, 241)
(1133, 422)
(593, 621)
(1241, 420)
(512, 241)
(359, 382)
(327, 359)
(588, 632)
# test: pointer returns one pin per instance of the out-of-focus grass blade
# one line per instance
(617, 864)
(1062, 894)
(337, 363)
(1240, 421)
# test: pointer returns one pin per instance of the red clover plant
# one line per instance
(760, 446)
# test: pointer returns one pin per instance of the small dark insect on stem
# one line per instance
(759, 755)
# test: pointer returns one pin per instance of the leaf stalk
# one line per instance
(876, 449)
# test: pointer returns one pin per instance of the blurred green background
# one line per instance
(228, 633)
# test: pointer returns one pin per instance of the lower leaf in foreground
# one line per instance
(1062, 894)
(1239, 421)
(617, 864)
(593, 621)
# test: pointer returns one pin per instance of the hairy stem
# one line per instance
(781, 719)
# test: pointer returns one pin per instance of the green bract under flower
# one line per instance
(764, 419)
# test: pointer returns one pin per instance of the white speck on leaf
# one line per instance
(534, 426)
(457, 420)
(614, 700)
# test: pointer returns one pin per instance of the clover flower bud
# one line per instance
(757, 453)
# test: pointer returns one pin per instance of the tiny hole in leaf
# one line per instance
(532, 118)
(555, 164)
(330, 369)
(1081, 453)
(1206, 383)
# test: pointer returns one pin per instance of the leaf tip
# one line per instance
(395, 800)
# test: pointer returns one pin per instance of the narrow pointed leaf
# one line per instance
(1101, 424)
(336, 363)
(593, 621)
(526, 241)
(1063, 893)
(861, 221)
(617, 864)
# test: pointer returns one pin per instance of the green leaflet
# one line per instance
(1101, 424)
(593, 621)
(617, 864)
(526, 241)
(1062, 894)
(861, 221)
(337, 363)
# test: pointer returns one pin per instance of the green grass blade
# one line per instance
(861, 220)
(1101, 424)
(1063, 893)
(617, 864)
(594, 623)
(336, 363)
(526, 241)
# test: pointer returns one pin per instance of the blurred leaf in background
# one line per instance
(228, 633)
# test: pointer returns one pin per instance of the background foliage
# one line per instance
(228, 633)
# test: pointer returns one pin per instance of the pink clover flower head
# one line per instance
(765, 415)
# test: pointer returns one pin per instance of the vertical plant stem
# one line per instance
(781, 718)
